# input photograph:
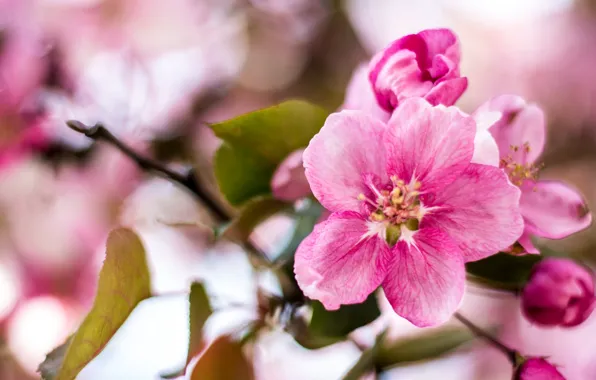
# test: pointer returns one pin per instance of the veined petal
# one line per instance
(342, 261)
(426, 279)
(434, 144)
(348, 148)
(553, 209)
(479, 211)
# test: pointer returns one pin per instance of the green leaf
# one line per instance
(223, 360)
(366, 363)
(256, 143)
(341, 322)
(503, 271)
(123, 283)
(252, 214)
(430, 345)
(200, 311)
(329, 327)
(425, 346)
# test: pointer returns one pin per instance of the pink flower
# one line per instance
(559, 292)
(418, 65)
(289, 181)
(408, 210)
(537, 369)
(551, 209)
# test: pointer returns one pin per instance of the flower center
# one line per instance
(519, 172)
(396, 206)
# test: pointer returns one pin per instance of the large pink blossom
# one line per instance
(551, 209)
(418, 65)
(408, 210)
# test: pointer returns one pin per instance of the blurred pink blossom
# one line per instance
(550, 209)
(401, 217)
(559, 292)
(419, 65)
(289, 182)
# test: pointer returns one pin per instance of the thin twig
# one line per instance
(510, 353)
(99, 133)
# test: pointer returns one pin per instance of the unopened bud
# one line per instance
(558, 293)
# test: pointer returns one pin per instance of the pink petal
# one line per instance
(289, 182)
(447, 92)
(400, 78)
(479, 211)
(520, 124)
(442, 41)
(360, 95)
(347, 149)
(425, 281)
(340, 262)
(527, 244)
(553, 209)
(486, 151)
(434, 144)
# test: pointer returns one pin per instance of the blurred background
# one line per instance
(156, 72)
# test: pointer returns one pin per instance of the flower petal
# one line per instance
(360, 95)
(486, 151)
(398, 79)
(527, 244)
(426, 279)
(434, 144)
(289, 182)
(447, 92)
(442, 41)
(347, 149)
(341, 261)
(520, 124)
(553, 209)
(479, 210)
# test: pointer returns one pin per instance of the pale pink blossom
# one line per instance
(551, 209)
(537, 369)
(419, 65)
(559, 292)
(408, 210)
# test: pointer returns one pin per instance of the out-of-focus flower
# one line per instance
(289, 182)
(408, 210)
(559, 292)
(551, 209)
(360, 95)
(537, 369)
(419, 65)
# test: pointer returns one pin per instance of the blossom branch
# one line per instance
(510, 353)
(99, 133)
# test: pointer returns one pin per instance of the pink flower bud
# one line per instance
(289, 181)
(537, 369)
(418, 65)
(559, 292)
